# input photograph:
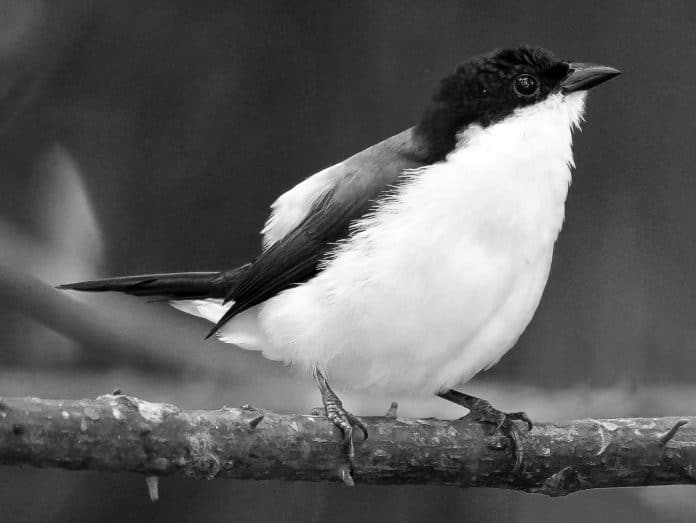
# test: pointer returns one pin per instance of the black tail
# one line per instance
(176, 285)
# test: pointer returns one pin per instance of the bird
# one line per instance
(418, 262)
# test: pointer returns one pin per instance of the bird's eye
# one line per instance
(526, 85)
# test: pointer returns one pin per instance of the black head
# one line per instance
(490, 87)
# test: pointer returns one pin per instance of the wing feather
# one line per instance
(297, 241)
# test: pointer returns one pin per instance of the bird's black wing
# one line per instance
(295, 257)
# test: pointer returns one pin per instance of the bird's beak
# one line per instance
(583, 76)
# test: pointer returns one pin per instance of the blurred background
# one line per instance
(152, 136)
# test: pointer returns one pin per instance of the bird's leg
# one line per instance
(483, 412)
(339, 416)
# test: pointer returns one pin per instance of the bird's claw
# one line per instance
(346, 422)
(340, 417)
(483, 412)
(513, 416)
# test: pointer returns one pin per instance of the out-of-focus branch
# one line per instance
(125, 328)
(107, 328)
(124, 433)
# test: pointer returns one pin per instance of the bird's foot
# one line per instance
(342, 419)
(482, 411)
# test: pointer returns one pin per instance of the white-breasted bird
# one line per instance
(418, 262)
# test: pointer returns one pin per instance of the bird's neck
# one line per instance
(542, 129)
(524, 163)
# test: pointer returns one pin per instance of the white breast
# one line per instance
(442, 279)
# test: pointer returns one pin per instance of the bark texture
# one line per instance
(124, 433)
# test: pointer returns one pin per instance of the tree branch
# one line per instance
(124, 433)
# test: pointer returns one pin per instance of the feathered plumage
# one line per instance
(417, 262)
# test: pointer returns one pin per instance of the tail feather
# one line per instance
(178, 285)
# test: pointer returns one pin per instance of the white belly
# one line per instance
(410, 317)
(419, 299)
(442, 279)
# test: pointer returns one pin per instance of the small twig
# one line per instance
(345, 475)
(671, 432)
(152, 483)
(254, 422)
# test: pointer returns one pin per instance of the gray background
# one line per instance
(152, 136)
